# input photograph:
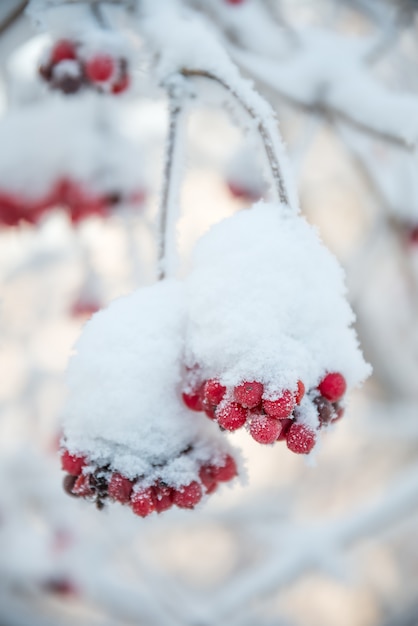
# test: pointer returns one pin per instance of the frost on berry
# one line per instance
(300, 439)
(275, 313)
(142, 502)
(72, 463)
(264, 429)
(213, 393)
(144, 448)
(281, 407)
(187, 496)
(333, 386)
(249, 394)
(120, 488)
(231, 416)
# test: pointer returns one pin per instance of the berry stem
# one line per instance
(170, 189)
(268, 141)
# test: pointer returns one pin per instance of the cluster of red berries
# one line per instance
(244, 192)
(66, 69)
(79, 202)
(103, 484)
(412, 235)
(269, 420)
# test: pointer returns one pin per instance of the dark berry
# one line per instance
(339, 412)
(326, 411)
(187, 496)
(68, 484)
(249, 394)
(282, 407)
(333, 386)
(120, 488)
(300, 439)
(232, 416)
(264, 429)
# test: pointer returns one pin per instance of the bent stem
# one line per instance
(267, 139)
(169, 194)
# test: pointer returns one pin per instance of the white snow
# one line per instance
(68, 137)
(124, 406)
(267, 302)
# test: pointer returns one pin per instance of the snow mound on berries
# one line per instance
(63, 138)
(266, 303)
(124, 407)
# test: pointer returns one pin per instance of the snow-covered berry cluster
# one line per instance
(269, 419)
(257, 335)
(68, 67)
(127, 435)
(75, 170)
(99, 484)
(269, 343)
(74, 196)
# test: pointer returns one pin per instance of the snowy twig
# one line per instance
(309, 547)
(169, 195)
(262, 128)
(14, 15)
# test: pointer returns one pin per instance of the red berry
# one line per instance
(249, 394)
(282, 407)
(142, 502)
(187, 496)
(207, 478)
(213, 393)
(234, 2)
(264, 429)
(121, 85)
(82, 487)
(193, 400)
(285, 424)
(72, 463)
(100, 68)
(412, 236)
(64, 50)
(300, 439)
(227, 471)
(120, 488)
(232, 416)
(300, 392)
(243, 193)
(163, 497)
(333, 386)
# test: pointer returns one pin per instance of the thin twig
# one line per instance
(168, 191)
(13, 16)
(272, 158)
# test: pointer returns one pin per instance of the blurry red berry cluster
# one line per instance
(78, 200)
(269, 420)
(67, 69)
(103, 483)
